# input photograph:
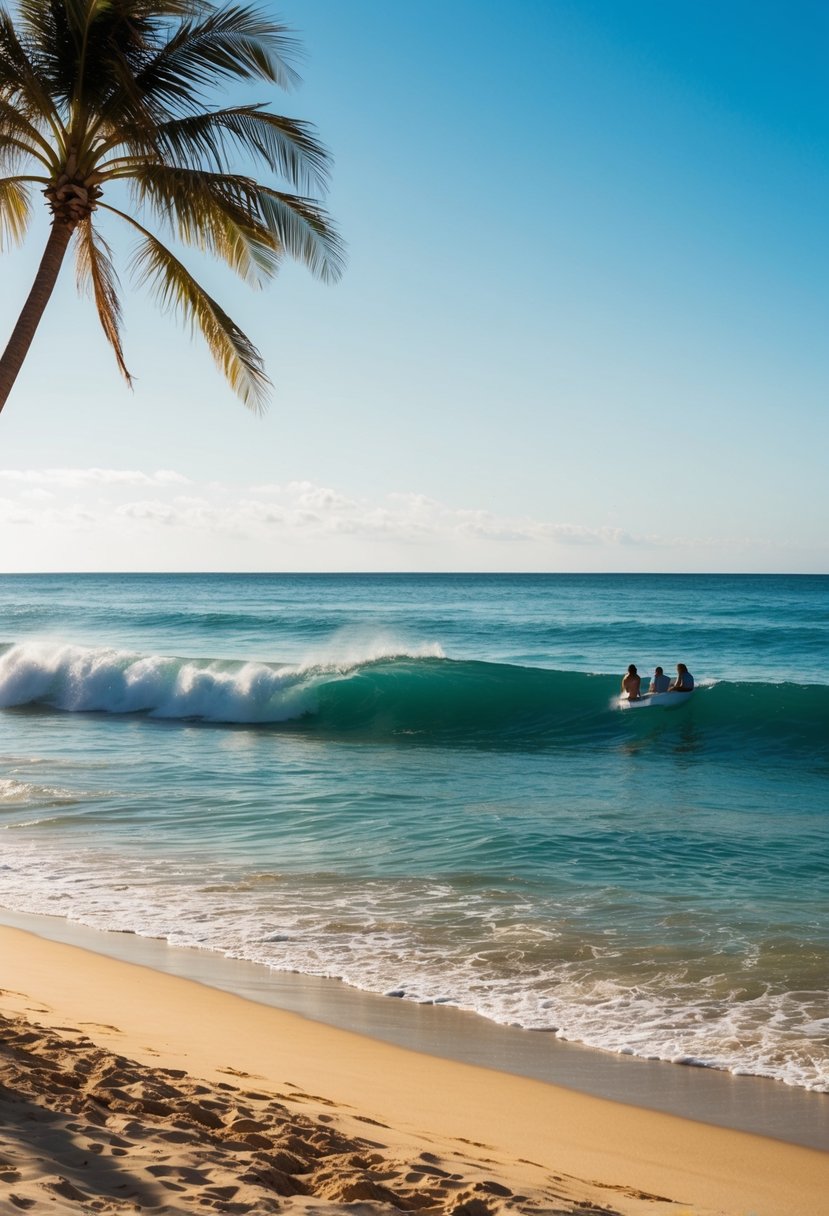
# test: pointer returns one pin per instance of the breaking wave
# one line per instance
(387, 691)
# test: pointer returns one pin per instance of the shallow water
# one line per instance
(421, 785)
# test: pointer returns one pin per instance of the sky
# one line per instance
(583, 325)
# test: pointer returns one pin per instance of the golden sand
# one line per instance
(124, 1089)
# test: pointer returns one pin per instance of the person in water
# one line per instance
(631, 683)
(683, 682)
(659, 681)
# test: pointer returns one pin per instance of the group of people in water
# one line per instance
(632, 682)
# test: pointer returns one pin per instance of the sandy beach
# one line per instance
(122, 1088)
(334, 881)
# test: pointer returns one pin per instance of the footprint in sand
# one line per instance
(633, 1192)
(490, 1187)
(222, 1193)
(63, 1187)
(118, 1142)
(179, 1137)
(316, 1098)
(184, 1173)
(434, 1171)
(246, 1125)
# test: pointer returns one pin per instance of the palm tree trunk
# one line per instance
(12, 358)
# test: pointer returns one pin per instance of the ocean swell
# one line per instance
(388, 691)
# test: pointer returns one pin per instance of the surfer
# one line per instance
(659, 681)
(630, 683)
(683, 682)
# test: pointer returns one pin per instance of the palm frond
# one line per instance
(15, 211)
(213, 212)
(236, 41)
(17, 130)
(126, 106)
(288, 146)
(176, 290)
(44, 26)
(20, 83)
(14, 155)
(304, 231)
(95, 274)
(104, 91)
(75, 42)
(235, 218)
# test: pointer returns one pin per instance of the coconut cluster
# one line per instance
(72, 199)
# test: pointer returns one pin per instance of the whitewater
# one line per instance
(421, 785)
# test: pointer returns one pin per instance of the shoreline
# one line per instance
(513, 1140)
(748, 1104)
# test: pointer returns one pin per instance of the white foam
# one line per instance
(79, 678)
(404, 938)
(23, 793)
(349, 649)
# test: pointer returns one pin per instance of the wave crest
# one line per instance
(385, 690)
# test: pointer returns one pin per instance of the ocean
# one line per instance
(422, 785)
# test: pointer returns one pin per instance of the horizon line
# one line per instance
(417, 573)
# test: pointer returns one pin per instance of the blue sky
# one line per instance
(583, 325)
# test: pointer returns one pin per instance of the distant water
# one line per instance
(421, 785)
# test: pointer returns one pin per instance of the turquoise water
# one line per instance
(422, 785)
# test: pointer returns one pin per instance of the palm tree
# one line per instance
(95, 93)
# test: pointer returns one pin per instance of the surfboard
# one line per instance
(667, 700)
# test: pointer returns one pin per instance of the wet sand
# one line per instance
(124, 1088)
(752, 1104)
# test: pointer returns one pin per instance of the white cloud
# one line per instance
(87, 514)
(300, 507)
(12, 513)
(154, 512)
(170, 477)
(37, 494)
